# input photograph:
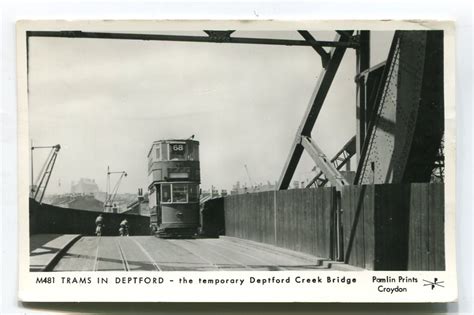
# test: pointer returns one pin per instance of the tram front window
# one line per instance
(177, 151)
(180, 193)
(165, 193)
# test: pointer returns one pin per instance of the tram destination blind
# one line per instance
(177, 150)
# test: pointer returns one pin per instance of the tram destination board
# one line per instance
(262, 161)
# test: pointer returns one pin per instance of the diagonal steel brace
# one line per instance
(320, 50)
(312, 111)
(323, 163)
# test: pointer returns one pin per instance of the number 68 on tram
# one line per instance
(173, 191)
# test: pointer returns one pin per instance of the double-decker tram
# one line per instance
(173, 191)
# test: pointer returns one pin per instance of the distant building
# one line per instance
(137, 207)
(85, 186)
(140, 206)
(237, 189)
(121, 200)
(76, 201)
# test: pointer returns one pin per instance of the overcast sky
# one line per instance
(106, 101)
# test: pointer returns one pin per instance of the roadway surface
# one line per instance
(149, 253)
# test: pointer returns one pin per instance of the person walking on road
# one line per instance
(99, 224)
(123, 230)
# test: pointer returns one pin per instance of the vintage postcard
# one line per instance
(236, 161)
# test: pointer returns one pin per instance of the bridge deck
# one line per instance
(148, 253)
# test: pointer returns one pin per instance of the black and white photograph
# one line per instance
(230, 149)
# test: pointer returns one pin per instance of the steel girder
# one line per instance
(362, 108)
(213, 37)
(315, 44)
(313, 109)
(406, 125)
(340, 159)
(323, 163)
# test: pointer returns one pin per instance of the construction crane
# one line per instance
(110, 195)
(38, 187)
(248, 175)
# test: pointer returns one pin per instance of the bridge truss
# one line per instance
(399, 127)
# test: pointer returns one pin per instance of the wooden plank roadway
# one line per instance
(148, 253)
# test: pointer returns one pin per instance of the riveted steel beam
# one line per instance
(362, 110)
(312, 111)
(323, 163)
(340, 159)
(213, 37)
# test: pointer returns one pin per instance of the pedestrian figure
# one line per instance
(99, 224)
(123, 230)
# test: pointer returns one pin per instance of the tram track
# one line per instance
(196, 255)
(221, 255)
(152, 261)
(96, 259)
(145, 254)
(265, 262)
(126, 266)
(277, 252)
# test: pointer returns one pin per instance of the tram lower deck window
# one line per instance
(166, 193)
(193, 192)
(179, 193)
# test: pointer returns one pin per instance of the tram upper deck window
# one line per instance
(177, 151)
(164, 151)
(193, 152)
(158, 151)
